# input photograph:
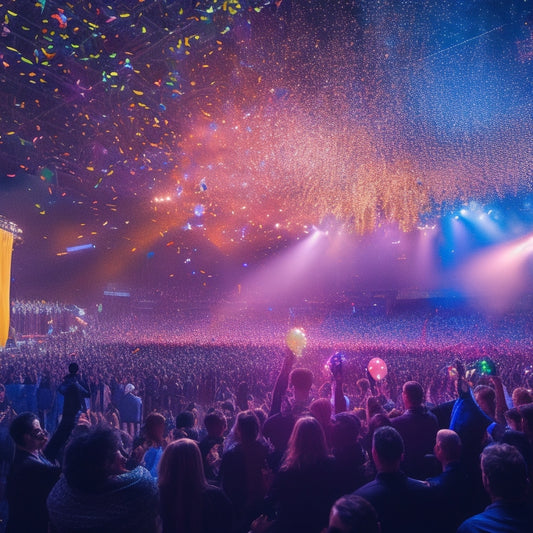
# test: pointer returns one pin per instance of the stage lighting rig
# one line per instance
(11, 227)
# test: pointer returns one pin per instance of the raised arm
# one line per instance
(338, 395)
(282, 383)
(501, 403)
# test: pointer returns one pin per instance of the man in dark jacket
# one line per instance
(33, 474)
(74, 392)
(418, 428)
(402, 503)
(453, 488)
(35, 469)
(505, 479)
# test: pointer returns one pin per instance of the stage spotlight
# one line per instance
(79, 248)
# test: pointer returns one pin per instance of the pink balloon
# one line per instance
(377, 368)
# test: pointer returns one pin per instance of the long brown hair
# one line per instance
(181, 483)
(307, 444)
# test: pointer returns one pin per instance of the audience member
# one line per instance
(154, 442)
(185, 423)
(348, 452)
(188, 503)
(418, 428)
(278, 427)
(305, 487)
(353, 514)
(97, 494)
(521, 396)
(74, 392)
(321, 410)
(374, 423)
(211, 446)
(402, 503)
(130, 409)
(505, 479)
(32, 475)
(241, 471)
(453, 488)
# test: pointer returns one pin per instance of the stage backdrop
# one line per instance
(6, 248)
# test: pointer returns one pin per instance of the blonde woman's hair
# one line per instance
(181, 482)
(307, 444)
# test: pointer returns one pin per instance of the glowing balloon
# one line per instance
(296, 341)
(377, 368)
(486, 367)
(335, 362)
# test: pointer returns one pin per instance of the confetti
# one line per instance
(310, 112)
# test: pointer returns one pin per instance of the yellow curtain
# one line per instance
(6, 248)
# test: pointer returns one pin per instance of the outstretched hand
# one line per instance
(261, 524)
(460, 369)
(289, 360)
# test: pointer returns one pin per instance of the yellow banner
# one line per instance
(6, 249)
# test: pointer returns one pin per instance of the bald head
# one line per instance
(447, 446)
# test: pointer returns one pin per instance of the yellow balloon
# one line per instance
(296, 341)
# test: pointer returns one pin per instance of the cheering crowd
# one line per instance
(102, 436)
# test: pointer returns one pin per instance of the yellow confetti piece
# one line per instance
(138, 93)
